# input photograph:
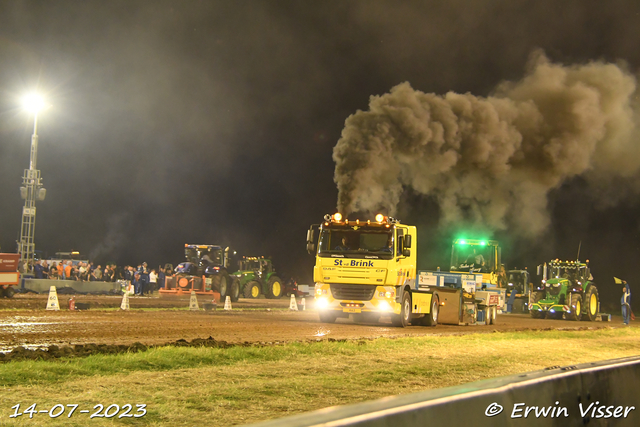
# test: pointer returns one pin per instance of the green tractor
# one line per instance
(256, 276)
(566, 291)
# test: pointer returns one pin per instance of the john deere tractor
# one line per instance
(256, 276)
(566, 291)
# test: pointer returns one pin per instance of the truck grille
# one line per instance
(352, 292)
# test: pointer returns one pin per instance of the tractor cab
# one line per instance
(475, 256)
(260, 266)
(518, 280)
(203, 255)
(576, 274)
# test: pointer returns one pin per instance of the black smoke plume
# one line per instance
(491, 162)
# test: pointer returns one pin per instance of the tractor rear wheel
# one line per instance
(252, 289)
(224, 285)
(403, 319)
(234, 291)
(274, 288)
(576, 307)
(591, 301)
(9, 292)
(518, 306)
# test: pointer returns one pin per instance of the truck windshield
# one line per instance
(359, 243)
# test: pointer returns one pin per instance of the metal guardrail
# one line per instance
(602, 393)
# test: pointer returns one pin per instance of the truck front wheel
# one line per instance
(403, 319)
(327, 317)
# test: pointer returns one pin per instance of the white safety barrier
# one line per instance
(594, 394)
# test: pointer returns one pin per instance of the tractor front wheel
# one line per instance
(576, 307)
(252, 289)
(591, 300)
(537, 314)
(274, 288)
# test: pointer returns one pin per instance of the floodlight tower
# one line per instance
(31, 189)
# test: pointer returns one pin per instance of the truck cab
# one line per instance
(365, 268)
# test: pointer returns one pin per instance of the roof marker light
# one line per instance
(379, 217)
(337, 216)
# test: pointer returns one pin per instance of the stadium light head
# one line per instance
(33, 103)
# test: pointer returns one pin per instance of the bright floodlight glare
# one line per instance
(33, 102)
(379, 217)
(337, 216)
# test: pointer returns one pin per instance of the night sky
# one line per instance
(174, 122)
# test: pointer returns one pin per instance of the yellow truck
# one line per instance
(367, 269)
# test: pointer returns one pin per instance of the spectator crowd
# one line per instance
(144, 280)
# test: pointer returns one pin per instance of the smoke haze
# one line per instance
(490, 162)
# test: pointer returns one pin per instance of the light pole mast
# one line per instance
(31, 190)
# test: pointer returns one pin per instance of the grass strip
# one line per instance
(185, 386)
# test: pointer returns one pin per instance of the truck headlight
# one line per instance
(321, 303)
(320, 292)
(384, 306)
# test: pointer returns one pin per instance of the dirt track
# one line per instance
(25, 322)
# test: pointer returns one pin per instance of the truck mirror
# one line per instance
(311, 247)
(406, 252)
(407, 241)
(539, 272)
(310, 235)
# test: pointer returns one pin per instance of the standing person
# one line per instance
(82, 271)
(60, 270)
(161, 277)
(98, 272)
(137, 284)
(39, 270)
(67, 271)
(626, 303)
(45, 269)
(53, 271)
(144, 278)
(153, 281)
